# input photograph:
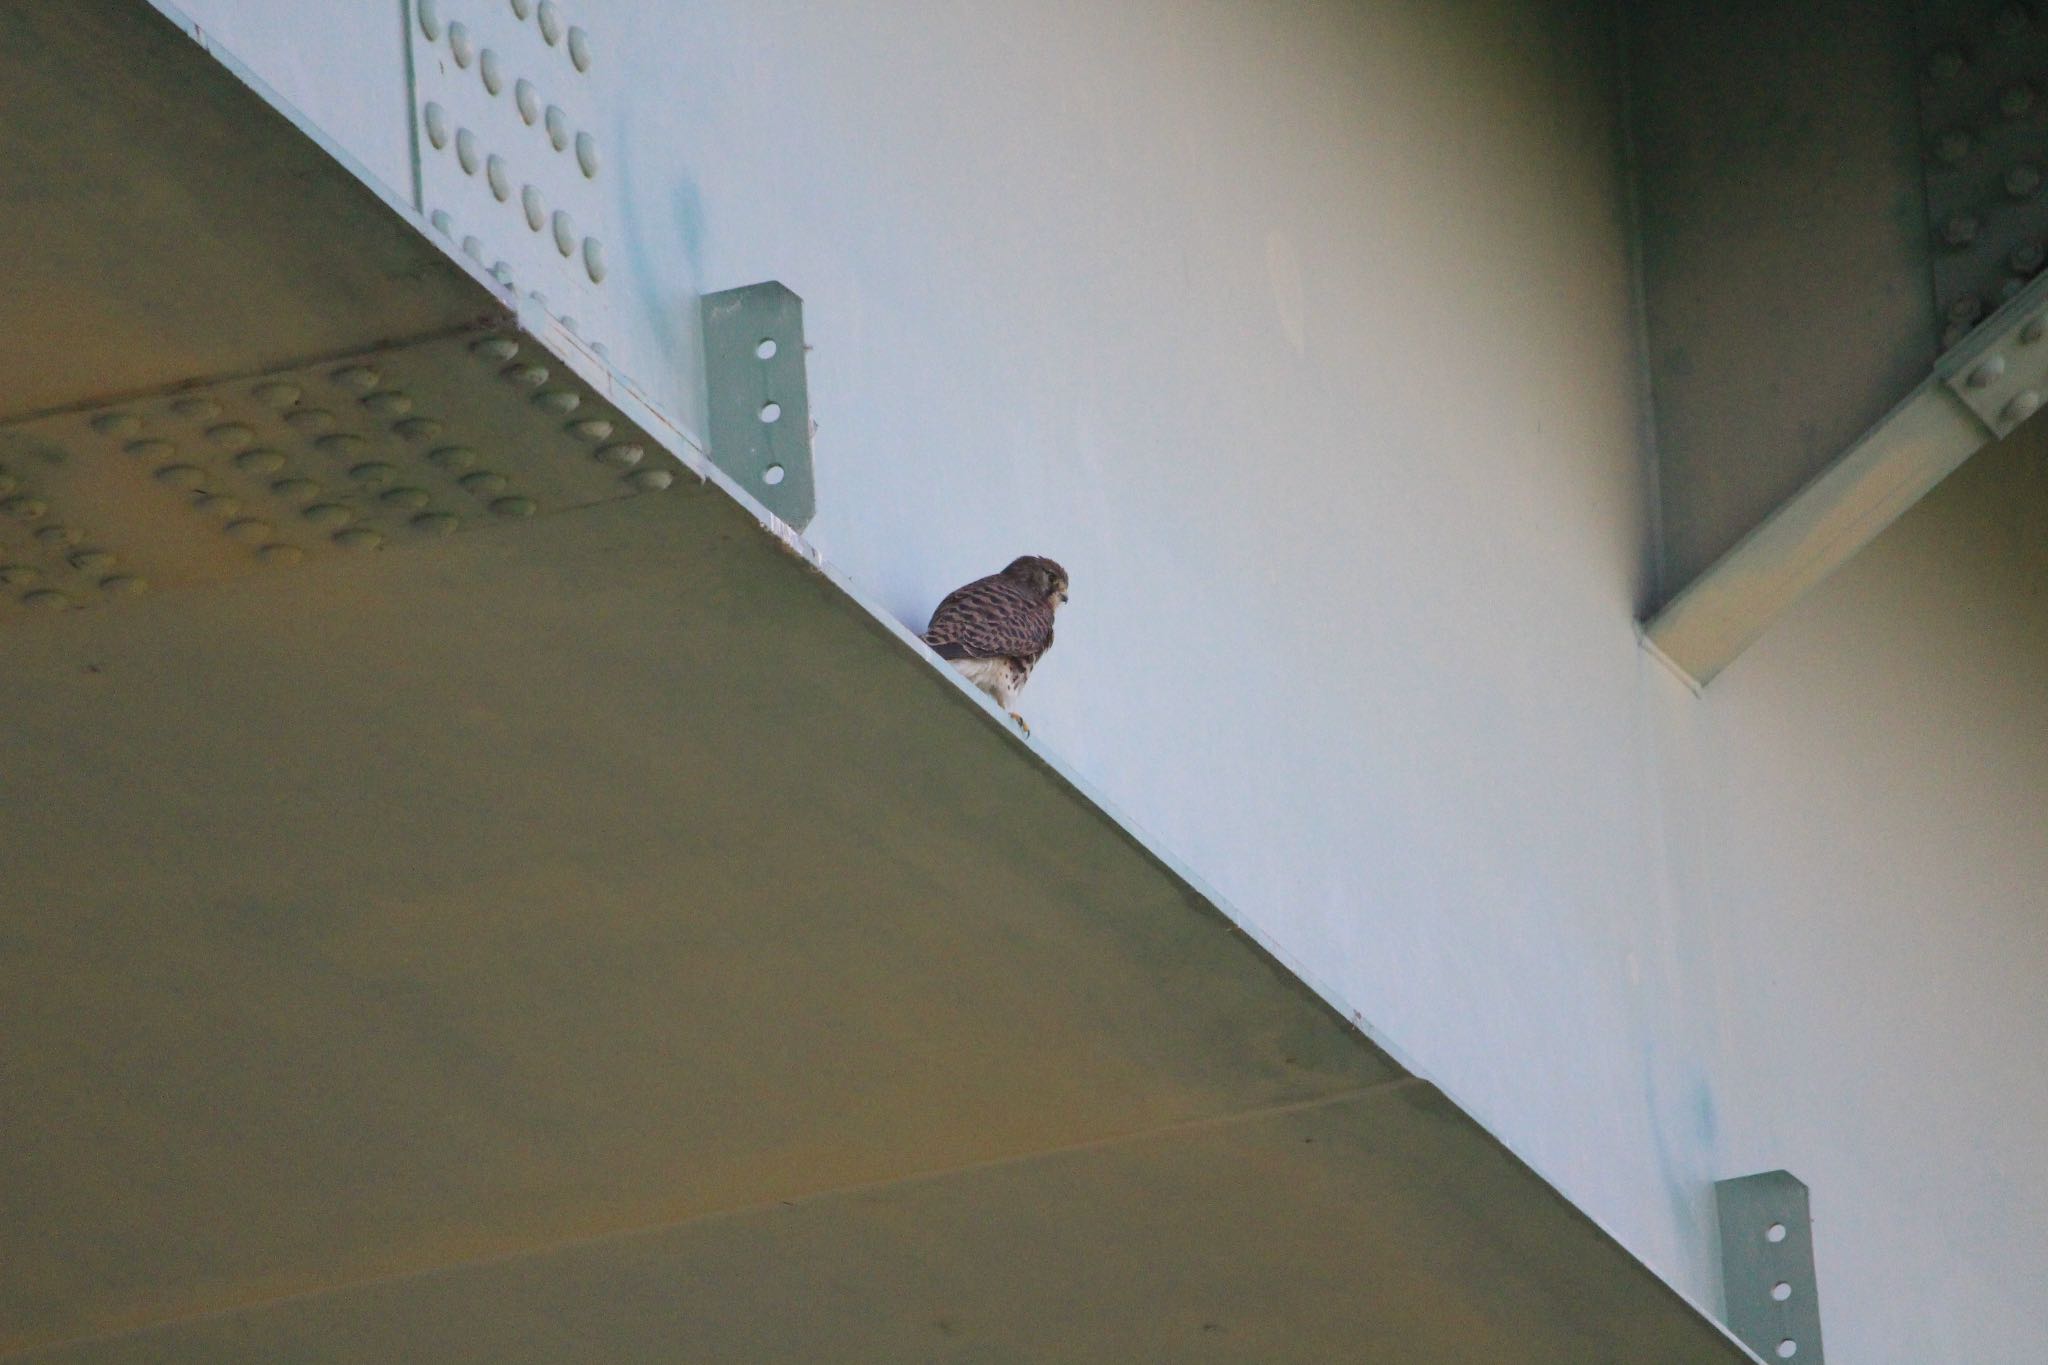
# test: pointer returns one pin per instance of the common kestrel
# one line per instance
(996, 629)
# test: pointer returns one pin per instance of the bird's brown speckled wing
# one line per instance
(990, 618)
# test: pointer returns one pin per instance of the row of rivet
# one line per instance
(526, 98)
(1975, 104)
(548, 17)
(533, 205)
(261, 462)
(593, 431)
(56, 537)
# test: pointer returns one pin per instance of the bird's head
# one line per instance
(1040, 577)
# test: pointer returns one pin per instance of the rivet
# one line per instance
(24, 507)
(650, 480)
(231, 434)
(2022, 181)
(586, 154)
(565, 233)
(150, 449)
(525, 376)
(295, 490)
(558, 127)
(1945, 64)
(2035, 329)
(1954, 333)
(181, 475)
(560, 402)
(117, 424)
(522, 9)
(45, 597)
(623, 455)
(2021, 407)
(443, 224)
(501, 271)
(123, 585)
(550, 22)
(2011, 20)
(390, 403)
(436, 119)
(417, 428)
(58, 535)
(1987, 372)
(259, 461)
(405, 499)
(280, 554)
(276, 393)
(499, 177)
(2010, 288)
(1968, 308)
(341, 445)
(460, 46)
(196, 409)
(437, 523)
(536, 208)
(494, 348)
(514, 507)
(484, 482)
(309, 419)
(1960, 230)
(592, 429)
(430, 18)
(453, 458)
(91, 561)
(2016, 99)
(473, 248)
(466, 153)
(579, 49)
(19, 575)
(328, 514)
(374, 472)
(528, 99)
(249, 530)
(218, 504)
(2027, 257)
(358, 538)
(593, 259)
(361, 378)
(493, 74)
(1952, 148)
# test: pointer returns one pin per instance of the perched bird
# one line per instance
(996, 628)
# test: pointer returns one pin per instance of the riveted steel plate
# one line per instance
(757, 400)
(506, 122)
(1984, 123)
(1767, 1266)
(2001, 370)
(208, 481)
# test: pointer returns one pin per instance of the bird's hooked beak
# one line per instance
(1061, 595)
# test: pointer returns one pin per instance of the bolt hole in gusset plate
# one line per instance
(1984, 124)
(756, 396)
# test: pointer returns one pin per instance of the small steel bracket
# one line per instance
(757, 400)
(1767, 1279)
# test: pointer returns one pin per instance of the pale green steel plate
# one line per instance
(594, 937)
